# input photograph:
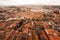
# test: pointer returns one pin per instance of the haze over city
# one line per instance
(34, 2)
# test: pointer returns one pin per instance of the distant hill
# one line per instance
(35, 6)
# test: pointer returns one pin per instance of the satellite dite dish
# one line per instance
(34, 2)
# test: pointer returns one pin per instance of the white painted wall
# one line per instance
(22, 2)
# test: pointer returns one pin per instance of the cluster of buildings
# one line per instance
(18, 23)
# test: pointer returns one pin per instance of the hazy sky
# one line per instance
(22, 2)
